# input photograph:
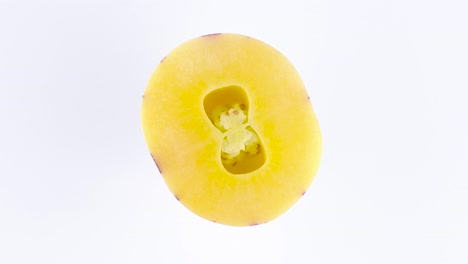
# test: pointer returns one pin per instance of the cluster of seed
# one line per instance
(239, 140)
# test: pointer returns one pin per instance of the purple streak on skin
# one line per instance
(155, 162)
(177, 197)
(162, 59)
(254, 224)
(211, 35)
(303, 193)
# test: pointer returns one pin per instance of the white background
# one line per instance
(388, 81)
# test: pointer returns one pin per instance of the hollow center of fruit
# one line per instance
(241, 150)
(238, 140)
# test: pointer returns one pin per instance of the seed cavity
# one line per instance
(241, 147)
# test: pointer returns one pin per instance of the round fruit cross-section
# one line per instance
(228, 121)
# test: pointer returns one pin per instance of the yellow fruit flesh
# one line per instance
(181, 102)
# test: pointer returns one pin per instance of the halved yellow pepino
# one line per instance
(229, 124)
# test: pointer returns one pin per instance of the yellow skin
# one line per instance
(242, 168)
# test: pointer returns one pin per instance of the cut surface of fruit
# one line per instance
(229, 123)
